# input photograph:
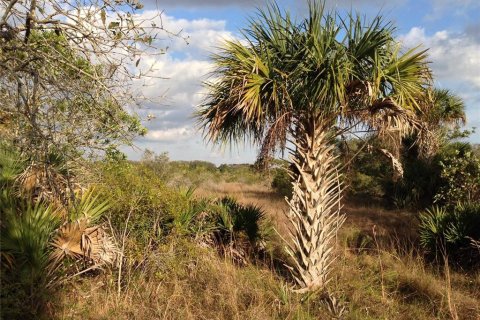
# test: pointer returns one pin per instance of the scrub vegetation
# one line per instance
(382, 224)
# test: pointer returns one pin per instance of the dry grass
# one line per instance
(258, 194)
(379, 275)
(387, 278)
(186, 282)
(360, 216)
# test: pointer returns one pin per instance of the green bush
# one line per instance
(362, 184)
(367, 172)
(445, 232)
(236, 219)
(138, 195)
(27, 269)
(282, 183)
(460, 176)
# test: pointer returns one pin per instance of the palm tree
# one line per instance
(447, 110)
(442, 114)
(307, 82)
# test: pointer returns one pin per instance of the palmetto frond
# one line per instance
(324, 65)
(445, 110)
(25, 233)
(11, 165)
(80, 238)
(88, 206)
(79, 241)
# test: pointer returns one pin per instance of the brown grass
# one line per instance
(392, 265)
(187, 282)
(381, 277)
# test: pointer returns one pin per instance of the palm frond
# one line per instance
(81, 242)
(80, 238)
(88, 206)
(24, 237)
(11, 165)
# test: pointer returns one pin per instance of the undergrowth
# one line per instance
(191, 255)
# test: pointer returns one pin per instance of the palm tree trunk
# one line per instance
(314, 207)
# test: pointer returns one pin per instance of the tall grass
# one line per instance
(175, 264)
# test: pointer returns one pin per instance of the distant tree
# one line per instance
(443, 115)
(309, 82)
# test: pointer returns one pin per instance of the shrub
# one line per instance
(239, 219)
(27, 270)
(450, 233)
(194, 220)
(365, 185)
(282, 183)
(367, 173)
(237, 231)
(460, 174)
(139, 196)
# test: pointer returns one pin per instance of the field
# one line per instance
(380, 272)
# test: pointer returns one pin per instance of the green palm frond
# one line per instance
(11, 165)
(447, 109)
(25, 235)
(88, 206)
(407, 76)
(324, 66)
(432, 226)
(316, 77)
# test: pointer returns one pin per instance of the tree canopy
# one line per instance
(349, 72)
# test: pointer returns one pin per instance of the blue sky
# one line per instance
(451, 29)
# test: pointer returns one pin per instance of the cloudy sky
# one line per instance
(450, 28)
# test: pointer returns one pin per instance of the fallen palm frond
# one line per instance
(396, 164)
(314, 209)
(91, 244)
(80, 239)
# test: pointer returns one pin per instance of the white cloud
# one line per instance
(439, 8)
(453, 56)
(199, 4)
(202, 35)
(455, 61)
(173, 134)
(177, 78)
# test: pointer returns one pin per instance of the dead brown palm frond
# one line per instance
(79, 241)
(68, 241)
(81, 238)
(276, 137)
(387, 117)
(396, 164)
(42, 182)
(391, 123)
(314, 209)
(99, 246)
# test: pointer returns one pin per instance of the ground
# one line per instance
(379, 274)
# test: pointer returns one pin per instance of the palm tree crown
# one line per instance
(341, 70)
